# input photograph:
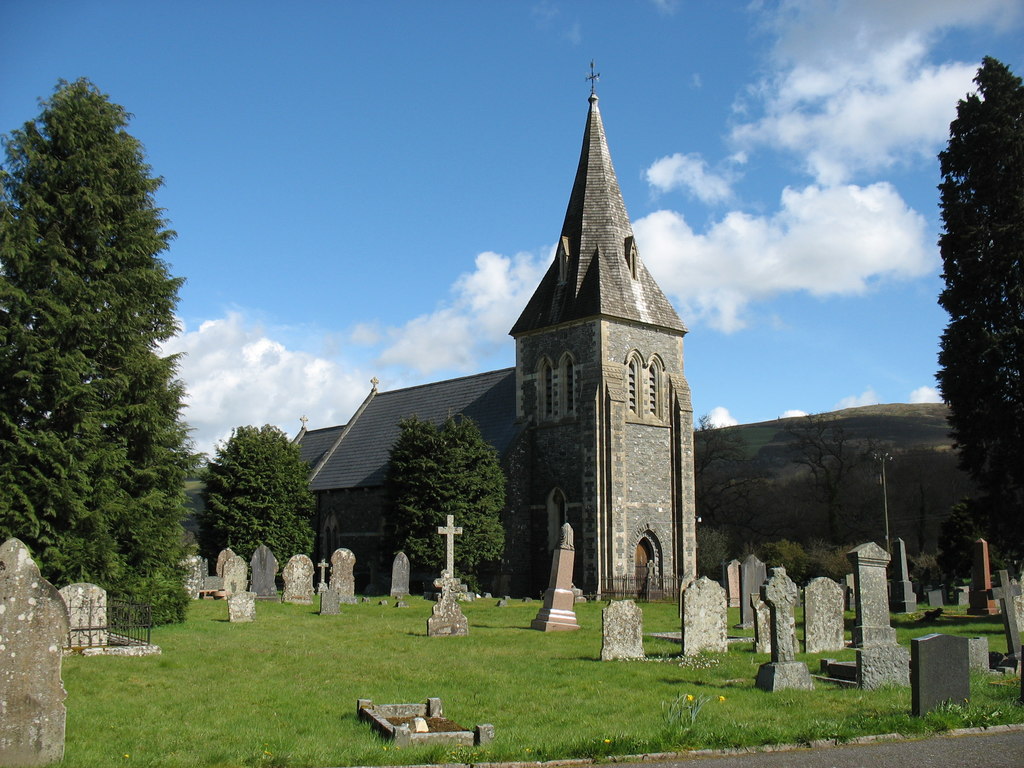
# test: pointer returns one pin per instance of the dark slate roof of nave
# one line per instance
(361, 460)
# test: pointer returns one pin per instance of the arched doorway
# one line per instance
(643, 560)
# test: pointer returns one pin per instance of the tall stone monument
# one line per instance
(980, 599)
(343, 580)
(264, 573)
(33, 627)
(400, 575)
(752, 575)
(558, 612)
(880, 659)
(446, 617)
(731, 582)
(783, 671)
(901, 591)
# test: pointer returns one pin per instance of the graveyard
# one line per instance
(282, 690)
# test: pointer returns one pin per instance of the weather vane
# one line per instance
(593, 77)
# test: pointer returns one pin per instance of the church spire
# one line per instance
(597, 269)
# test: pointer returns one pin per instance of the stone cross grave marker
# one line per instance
(447, 618)
(298, 580)
(939, 672)
(705, 617)
(622, 631)
(752, 575)
(823, 616)
(33, 628)
(880, 659)
(236, 575)
(901, 596)
(87, 615)
(449, 532)
(323, 565)
(343, 580)
(400, 575)
(980, 599)
(264, 572)
(783, 671)
(1005, 593)
(558, 613)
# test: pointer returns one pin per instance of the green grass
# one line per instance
(282, 691)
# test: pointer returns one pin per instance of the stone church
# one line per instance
(593, 426)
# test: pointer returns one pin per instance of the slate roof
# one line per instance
(360, 459)
(596, 226)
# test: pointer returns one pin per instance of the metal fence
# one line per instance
(122, 623)
(643, 588)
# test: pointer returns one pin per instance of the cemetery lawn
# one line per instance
(282, 691)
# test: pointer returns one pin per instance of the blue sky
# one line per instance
(374, 189)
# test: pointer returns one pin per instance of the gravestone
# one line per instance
(446, 617)
(1004, 593)
(236, 575)
(978, 647)
(264, 573)
(558, 613)
(343, 580)
(823, 616)
(242, 607)
(731, 582)
(939, 672)
(962, 595)
(622, 631)
(980, 601)
(33, 627)
(323, 565)
(330, 602)
(936, 599)
(195, 575)
(400, 575)
(705, 617)
(87, 615)
(880, 660)
(222, 558)
(783, 671)
(762, 625)
(901, 595)
(848, 602)
(298, 580)
(752, 575)
(1018, 602)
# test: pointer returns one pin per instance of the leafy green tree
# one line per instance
(981, 360)
(93, 452)
(257, 492)
(439, 471)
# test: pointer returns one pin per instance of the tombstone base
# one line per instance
(784, 675)
(447, 620)
(883, 665)
(902, 598)
(555, 620)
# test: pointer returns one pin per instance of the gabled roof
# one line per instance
(360, 459)
(598, 280)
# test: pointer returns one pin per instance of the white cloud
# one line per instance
(720, 417)
(833, 241)
(237, 375)
(867, 397)
(486, 304)
(792, 414)
(925, 395)
(690, 173)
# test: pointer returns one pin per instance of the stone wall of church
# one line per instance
(357, 515)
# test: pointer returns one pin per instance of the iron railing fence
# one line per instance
(122, 623)
(642, 588)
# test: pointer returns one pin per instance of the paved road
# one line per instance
(984, 750)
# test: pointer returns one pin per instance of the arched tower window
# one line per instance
(654, 387)
(568, 385)
(634, 384)
(546, 389)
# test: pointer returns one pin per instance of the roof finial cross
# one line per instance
(593, 77)
(304, 420)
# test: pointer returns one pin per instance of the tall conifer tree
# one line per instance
(93, 452)
(982, 352)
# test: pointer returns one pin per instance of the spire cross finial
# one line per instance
(303, 419)
(593, 77)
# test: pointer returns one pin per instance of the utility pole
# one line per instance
(882, 458)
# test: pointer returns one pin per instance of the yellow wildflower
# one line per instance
(721, 698)
(689, 697)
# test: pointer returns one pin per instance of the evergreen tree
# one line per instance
(982, 245)
(435, 472)
(93, 452)
(257, 492)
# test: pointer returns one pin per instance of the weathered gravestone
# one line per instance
(1004, 593)
(936, 598)
(980, 599)
(447, 618)
(939, 672)
(330, 602)
(264, 573)
(195, 575)
(400, 575)
(1018, 603)
(762, 625)
(87, 615)
(705, 617)
(731, 582)
(901, 595)
(880, 660)
(962, 595)
(33, 628)
(622, 631)
(242, 606)
(343, 580)
(236, 575)
(298, 580)
(978, 647)
(783, 671)
(823, 616)
(558, 613)
(222, 558)
(752, 575)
